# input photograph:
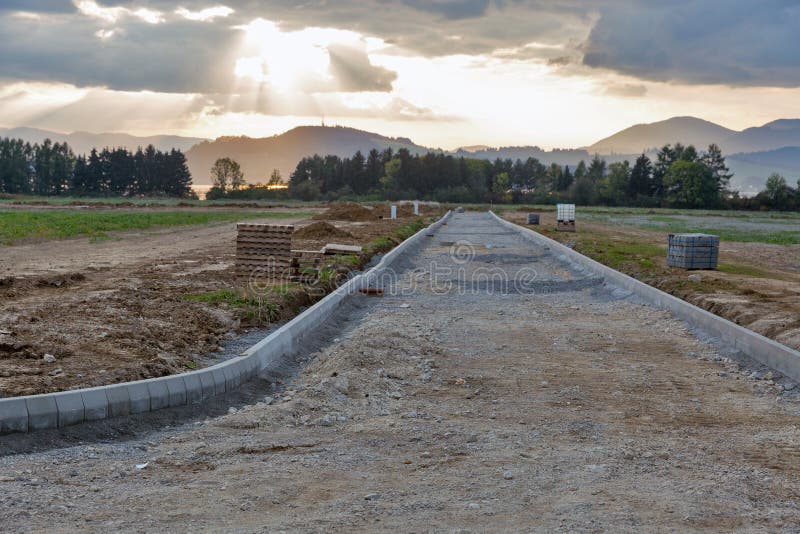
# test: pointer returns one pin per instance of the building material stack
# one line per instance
(693, 251)
(533, 218)
(263, 255)
(565, 217)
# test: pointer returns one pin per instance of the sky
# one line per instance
(445, 73)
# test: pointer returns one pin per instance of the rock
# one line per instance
(55, 372)
(342, 385)
(425, 454)
(325, 421)
(474, 506)
(372, 496)
(508, 475)
(268, 400)
(49, 358)
(695, 278)
(231, 410)
(6, 479)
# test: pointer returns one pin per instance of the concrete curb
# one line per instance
(54, 410)
(765, 350)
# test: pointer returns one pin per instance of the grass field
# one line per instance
(22, 225)
(143, 202)
(774, 227)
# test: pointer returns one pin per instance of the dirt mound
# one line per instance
(321, 230)
(347, 211)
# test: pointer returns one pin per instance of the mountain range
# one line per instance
(752, 154)
(698, 132)
(84, 142)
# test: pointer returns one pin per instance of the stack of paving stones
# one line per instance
(693, 251)
(533, 218)
(263, 254)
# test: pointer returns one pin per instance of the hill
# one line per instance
(83, 142)
(258, 156)
(644, 137)
(773, 135)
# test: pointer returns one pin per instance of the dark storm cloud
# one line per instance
(747, 43)
(353, 71)
(37, 6)
(451, 9)
(182, 56)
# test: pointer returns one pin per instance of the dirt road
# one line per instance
(496, 390)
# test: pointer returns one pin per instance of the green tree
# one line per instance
(776, 191)
(640, 183)
(275, 178)
(227, 175)
(614, 186)
(690, 184)
(714, 160)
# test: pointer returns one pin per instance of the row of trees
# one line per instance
(53, 169)
(679, 176)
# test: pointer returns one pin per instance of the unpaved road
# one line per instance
(475, 403)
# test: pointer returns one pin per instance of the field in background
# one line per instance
(119, 202)
(757, 284)
(22, 225)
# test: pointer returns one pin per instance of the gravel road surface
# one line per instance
(491, 388)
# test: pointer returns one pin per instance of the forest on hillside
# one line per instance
(680, 176)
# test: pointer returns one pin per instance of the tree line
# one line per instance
(679, 176)
(53, 169)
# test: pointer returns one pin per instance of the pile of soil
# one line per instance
(321, 230)
(347, 211)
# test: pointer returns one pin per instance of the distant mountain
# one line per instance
(258, 156)
(786, 159)
(84, 142)
(773, 135)
(645, 137)
(561, 156)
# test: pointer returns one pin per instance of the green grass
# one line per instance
(148, 202)
(746, 270)
(20, 225)
(623, 255)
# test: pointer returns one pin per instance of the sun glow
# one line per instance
(284, 60)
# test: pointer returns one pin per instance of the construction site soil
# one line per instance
(76, 313)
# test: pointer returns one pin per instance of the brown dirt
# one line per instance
(348, 211)
(766, 301)
(117, 310)
(320, 230)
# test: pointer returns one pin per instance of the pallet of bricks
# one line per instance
(693, 251)
(263, 255)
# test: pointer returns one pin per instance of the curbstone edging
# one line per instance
(53, 410)
(765, 350)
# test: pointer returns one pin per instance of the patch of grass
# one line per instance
(624, 256)
(407, 230)
(380, 245)
(745, 270)
(19, 225)
(347, 259)
(227, 296)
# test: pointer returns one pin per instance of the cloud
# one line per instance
(204, 15)
(627, 90)
(451, 9)
(134, 55)
(352, 70)
(744, 43)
